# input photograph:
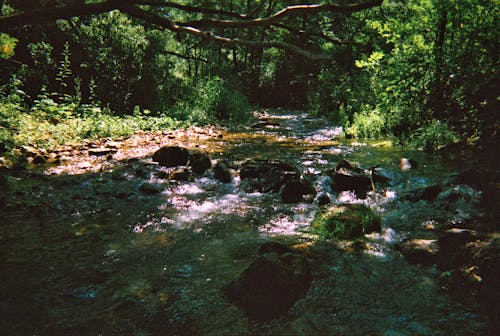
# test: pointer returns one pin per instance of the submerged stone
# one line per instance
(346, 222)
(271, 284)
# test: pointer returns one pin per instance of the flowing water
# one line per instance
(91, 255)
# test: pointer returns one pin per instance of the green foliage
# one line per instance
(113, 51)
(211, 101)
(367, 124)
(434, 136)
(345, 222)
(415, 71)
(7, 45)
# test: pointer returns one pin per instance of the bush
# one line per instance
(433, 136)
(345, 222)
(367, 124)
(212, 101)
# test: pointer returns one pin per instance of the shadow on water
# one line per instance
(126, 251)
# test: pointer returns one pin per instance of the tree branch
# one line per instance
(168, 24)
(288, 11)
(191, 9)
(132, 8)
(60, 12)
(320, 35)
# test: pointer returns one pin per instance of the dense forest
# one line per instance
(424, 71)
(237, 167)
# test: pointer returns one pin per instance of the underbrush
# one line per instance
(55, 119)
(49, 124)
(211, 101)
(433, 136)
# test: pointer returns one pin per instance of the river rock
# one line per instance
(101, 151)
(428, 194)
(348, 177)
(488, 260)
(150, 189)
(347, 221)
(294, 191)
(453, 250)
(171, 156)
(420, 251)
(271, 284)
(324, 199)
(407, 164)
(199, 162)
(478, 179)
(181, 174)
(266, 176)
(39, 159)
(222, 173)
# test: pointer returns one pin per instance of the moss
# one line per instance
(345, 222)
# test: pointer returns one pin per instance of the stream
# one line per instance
(85, 252)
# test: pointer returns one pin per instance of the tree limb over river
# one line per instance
(158, 13)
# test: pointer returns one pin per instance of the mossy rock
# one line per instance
(346, 222)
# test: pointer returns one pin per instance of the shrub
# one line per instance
(433, 136)
(213, 100)
(367, 124)
(345, 222)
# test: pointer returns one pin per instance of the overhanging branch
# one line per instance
(45, 14)
(133, 8)
(168, 24)
(288, 11)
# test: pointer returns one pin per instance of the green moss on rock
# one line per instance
(345, 222)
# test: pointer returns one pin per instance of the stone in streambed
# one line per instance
(222, 173)
(266, 175)
(271, 285)
(346, 222)
(199, 162)
(407, 164)
(181, 174)
(349, 177)
(150, 189)
(420, 251)
(171, 156)
(294, 191)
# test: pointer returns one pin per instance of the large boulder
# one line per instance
(199, 162)
(266, 176)
(346, 222)
(272, 284)
(171, 156)
(298, 191)
(347, 177)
